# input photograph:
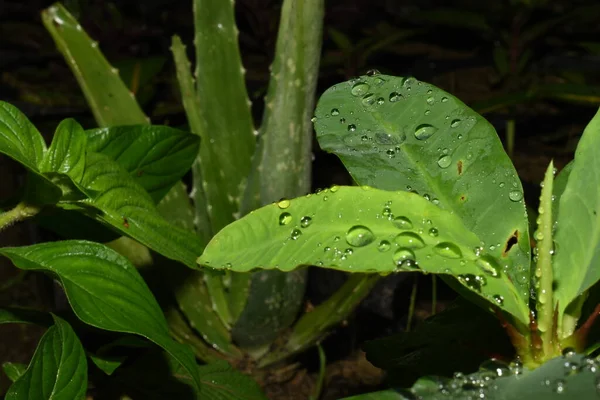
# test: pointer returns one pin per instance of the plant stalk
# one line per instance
(20, 212)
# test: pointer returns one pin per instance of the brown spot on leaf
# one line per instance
(459, 166)
(462, 197)
(510, 242)
(125, 222)
(140, 172)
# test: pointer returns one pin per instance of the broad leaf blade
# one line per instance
(66, 154)
(19, 139)
(349, 229)
(578, 231)
(14, 370)
(401, 134)
(104, 290)
(223, 382)
(58, 369)
(125, 206)
(112, 103)
(155, 156)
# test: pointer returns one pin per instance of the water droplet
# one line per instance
(433, 232)
(373, 72)
(334, 188)
(384, 246)
(455, 123)
(470, 281)
(385, 138)
(348, 252)
(559, 386)
(359, 236)
(327, 249)
(448, 250)
(285, 218)
(335, 111)
(283, 203)
(498, 299)
(444, 161)
(380, 101)
(359, 89)
(296, 234)
(390, 153)
(515, 195)
(402, 223)
(425, 131)
(430, 100)
(409, 240)
(351, 128)
(444, 99)
(488, 265)
(401, 255)
(313, 119)
(569, 352)
(409, 82)
(368, 100)
(395, 96)
(305, 221)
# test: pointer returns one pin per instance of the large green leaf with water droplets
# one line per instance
(566, 377)
(352, 229)
(104, 290)
(58, 369)
(578, 231)
(401, 134)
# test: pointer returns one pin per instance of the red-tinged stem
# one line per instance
(582, 333)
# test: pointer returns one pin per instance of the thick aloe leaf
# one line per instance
(104, 290)
(181, 331)
(578, 226)
(315, 325)
(401, 134)
(58, 369)
(19, 139)
(126, 207)
(350, 229)
(155, 156)
(14, 370)
(112, 103)
(225, 110)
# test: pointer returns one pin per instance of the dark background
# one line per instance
(480, 51)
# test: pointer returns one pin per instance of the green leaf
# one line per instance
(24, 316)
(401, 134)
(58, 369)
(19, 139)
(314, 326)
(125, 206)
(577, 235)
(223, 382)
(155, 156)
(104, 290)
(217, 54)
(107, 364)
(350, 229)
(383, 395)
(66, 154)
(112, 103)
(14, 370)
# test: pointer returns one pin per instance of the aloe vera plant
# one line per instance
(439, 195)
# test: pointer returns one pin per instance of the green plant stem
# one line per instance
(543, 271)
(321, 378)
(21, 212)
(413, 300)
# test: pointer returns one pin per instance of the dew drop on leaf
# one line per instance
(351, 128)
(402, 255)
(433, 232)
(498, 299)
(335, 111)
(285, 218)
(368, 100)
(455, 123)
(296, 234)
(488, 265)
(305, 221)
(384, 246)
(283, 204)
(409, 240)
(515, 195)
(402, 222)
(425, 131)
(470, 281)
(448, 250)
(395, 96)
(359, 236)
(334, 188)
(444, 161)
(359, 89)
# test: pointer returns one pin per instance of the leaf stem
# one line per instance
(20, 212)
(543, 271)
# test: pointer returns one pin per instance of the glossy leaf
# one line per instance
(103, 289)
(112, 103)
(350, 229)
(14, 370)
(66, 154)
(155, 156)
(125, 206)
(223, 382)
(19, 139)
(577, 245)
(401, 134)
(382, 395)
(58, 369)
(107, 364)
